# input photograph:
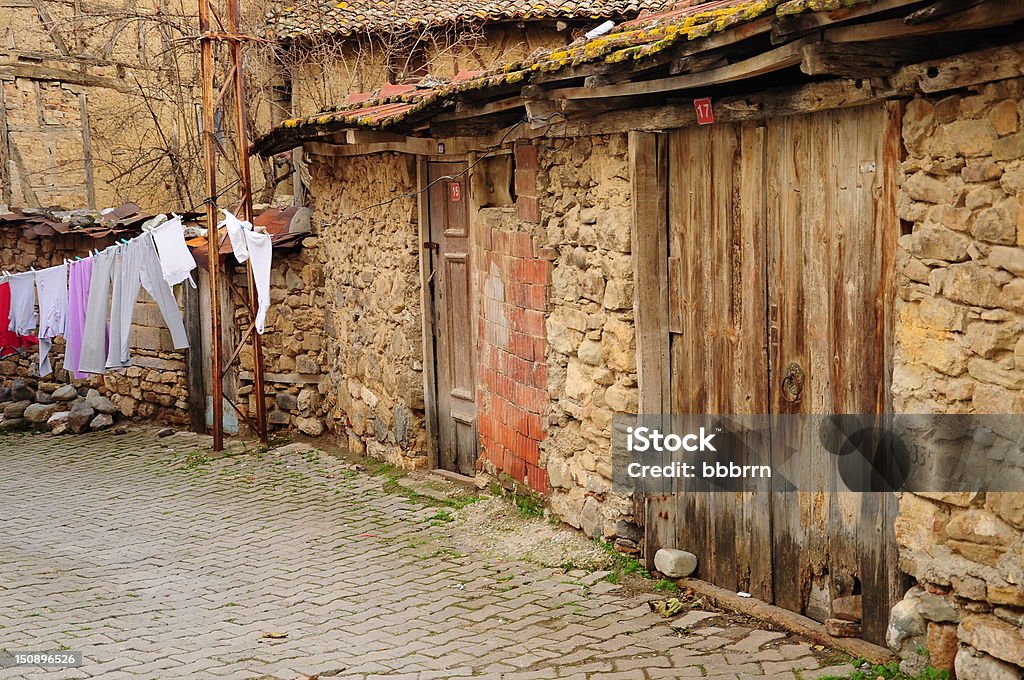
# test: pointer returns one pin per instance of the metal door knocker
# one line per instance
(793, 383)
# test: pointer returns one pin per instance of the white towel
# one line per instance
(176, 261)
(52, 290)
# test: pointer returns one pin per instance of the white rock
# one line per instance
(675, 563)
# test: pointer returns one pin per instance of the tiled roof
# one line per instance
(634, 40)
(348, 17)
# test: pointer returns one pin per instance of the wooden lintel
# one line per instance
(773, 60)
(373, 137)
(965, 70)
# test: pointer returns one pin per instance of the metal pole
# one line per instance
(245, 175)
(213, 246)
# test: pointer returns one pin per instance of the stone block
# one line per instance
(674, 563)
(927, 189)
(1008, 148)
(994, 637)
(937, 243)
(973, 665)
(995, 373)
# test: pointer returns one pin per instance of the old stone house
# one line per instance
(782, 207)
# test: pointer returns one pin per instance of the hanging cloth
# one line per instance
(140, 266)
(23, 319)
(52, 290)
(251, 245)
(79, 280)
(10, 342)
(93, 357)
(176, 261)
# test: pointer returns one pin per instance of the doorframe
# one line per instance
(648, 166)
(428, 327)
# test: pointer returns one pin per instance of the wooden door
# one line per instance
(781, 237)
(717, 324)
(832, 235)
(448, 212)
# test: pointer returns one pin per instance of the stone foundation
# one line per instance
(959, 350)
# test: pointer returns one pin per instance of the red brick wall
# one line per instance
(512, 399)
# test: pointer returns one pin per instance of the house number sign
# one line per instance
(455, 191)
(705, 114)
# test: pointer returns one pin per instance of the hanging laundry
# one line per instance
(10, 342)
(261, 254)
(52, 290)
(176, 259)
(93, 358)
(236, 230)
(139, 265)
(249, 244)
(23, 303)
(79, 280)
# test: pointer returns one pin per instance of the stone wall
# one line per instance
(586, 217)
(572, 224)
(371, 351)
(155, 386)
(293, 342)
(959, 350)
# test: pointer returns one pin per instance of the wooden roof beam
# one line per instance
(990, 14)
(787, 27)
(767, 62)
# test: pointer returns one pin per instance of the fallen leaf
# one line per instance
(274, 635)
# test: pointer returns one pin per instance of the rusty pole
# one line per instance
(206, 43)
(245, 177)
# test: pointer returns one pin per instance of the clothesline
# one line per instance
(91, 301)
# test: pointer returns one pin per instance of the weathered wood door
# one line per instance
(448, 202)
(781, 239)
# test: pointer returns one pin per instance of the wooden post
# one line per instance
(213, 241)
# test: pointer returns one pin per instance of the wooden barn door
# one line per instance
(453, 348)
(717, 324)
(781, 238)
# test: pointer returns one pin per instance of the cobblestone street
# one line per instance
(158, 562)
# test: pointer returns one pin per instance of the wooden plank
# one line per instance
(861, 59)
(789, 26)
(649, 178)
(988, 15)
(787, 620)
(714, 41)
(90, 184)
(766, 62)
(783, 213)
(881, 559)
(465, 110)
(426, 265)
(772, 103)
(37, 72)
(648, 161)
(753, 535)
(193, 318)
(5, 156)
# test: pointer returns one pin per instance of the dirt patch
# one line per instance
(494, 528)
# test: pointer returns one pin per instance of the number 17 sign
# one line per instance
(705, 114)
